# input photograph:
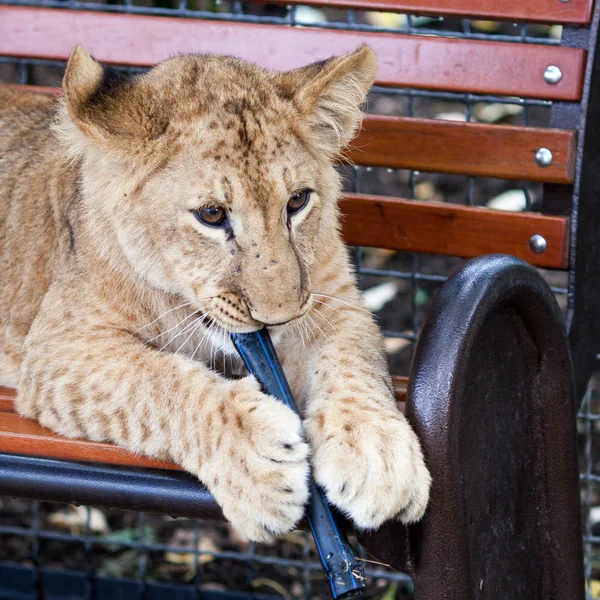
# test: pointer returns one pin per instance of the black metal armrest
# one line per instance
(149, 490)
(491, 398)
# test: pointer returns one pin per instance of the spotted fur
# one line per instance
(116, 301)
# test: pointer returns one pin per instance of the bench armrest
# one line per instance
(491, 398)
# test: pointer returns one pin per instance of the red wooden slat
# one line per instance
(576, 12)
(22, 436)
(451, 229)
(404, 60)
(464, 148)
(34, 89)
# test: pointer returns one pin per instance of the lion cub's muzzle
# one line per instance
(279, 312)
(239, 314)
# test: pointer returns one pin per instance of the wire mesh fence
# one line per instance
(195, 558)
(588, 428)
(154, 551)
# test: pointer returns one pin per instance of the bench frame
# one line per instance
(581, 202)
(491, 396)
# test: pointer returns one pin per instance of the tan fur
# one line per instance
(116, 301)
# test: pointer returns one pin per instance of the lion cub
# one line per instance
(156, 215)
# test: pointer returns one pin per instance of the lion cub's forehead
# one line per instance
(234, 173)
(240, 158)
(209, 83)
(229, 111)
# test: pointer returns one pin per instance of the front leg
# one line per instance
(364, 453)
(104, 384)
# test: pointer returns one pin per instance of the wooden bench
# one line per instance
(491, 391)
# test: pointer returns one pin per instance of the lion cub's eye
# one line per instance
(298, 201)
(213, 216)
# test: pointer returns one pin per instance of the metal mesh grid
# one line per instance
(298, 14)
(588, 428)
(398, 287)
(148, 549)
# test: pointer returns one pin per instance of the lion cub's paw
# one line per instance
(260, 473)
(370, 465)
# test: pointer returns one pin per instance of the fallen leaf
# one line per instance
(451, 116)
(497, 111)
(394, 345)
(75, 519)
(377, 297)
(487, 26)
(276, 587)
(511, 200)
(386, 19)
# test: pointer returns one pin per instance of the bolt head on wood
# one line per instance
(543, 157)
(538, 243)
(552, 74)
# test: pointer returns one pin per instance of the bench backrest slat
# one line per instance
(576, 12)
(480, 67)
(472, 149)
(451, 229)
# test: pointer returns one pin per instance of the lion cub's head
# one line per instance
(214, 177)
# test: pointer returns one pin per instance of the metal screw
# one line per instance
(543, 157)
(552, 75)
(538, 243)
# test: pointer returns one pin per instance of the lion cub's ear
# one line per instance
(330, 94)
(109, 109)
(83, 78)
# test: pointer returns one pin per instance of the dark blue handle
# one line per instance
(343, 571)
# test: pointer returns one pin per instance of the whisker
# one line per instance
(327, 321)
(170, 311)
(162, 315)
(300, 331)
(171, 329)
(194, 329)
(294, 333)
(307, 333)
(201, 320)
(351, 304)
(319, 328)
(202, 340)
(310, 333)
(193, 355)
(206, 339)
(212, 357)
(328, 305)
